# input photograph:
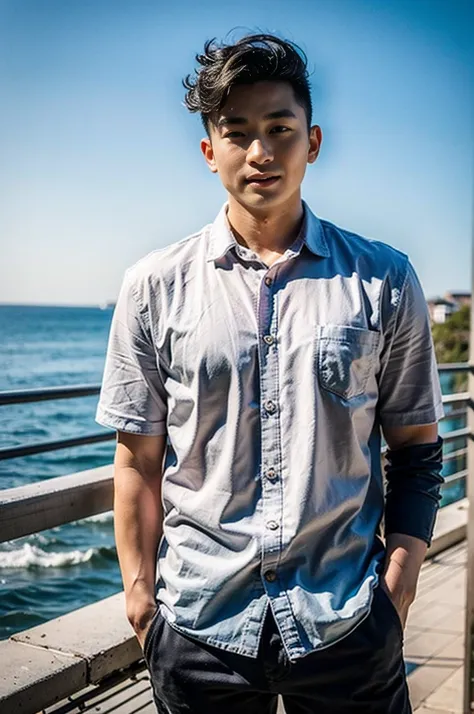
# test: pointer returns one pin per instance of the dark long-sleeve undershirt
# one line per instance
(413, 489)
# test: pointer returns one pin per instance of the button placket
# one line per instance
(270, 426)
(273, 533)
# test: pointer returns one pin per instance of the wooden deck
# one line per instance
(434, 653)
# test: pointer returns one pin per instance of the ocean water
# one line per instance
(53, 572)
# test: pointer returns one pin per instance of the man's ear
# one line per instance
(208, 153)
(315, 140)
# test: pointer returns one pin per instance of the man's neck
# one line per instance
(268, 234)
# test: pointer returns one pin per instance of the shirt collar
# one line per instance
(221, 238)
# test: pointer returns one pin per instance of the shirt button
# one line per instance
(270, 576)
(268, 339)
(268, 282)
(271, 474)
(269, 406)
(272, 525)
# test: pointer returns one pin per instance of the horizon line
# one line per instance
(106, 304)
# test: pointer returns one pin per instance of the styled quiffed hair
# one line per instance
(254, 58)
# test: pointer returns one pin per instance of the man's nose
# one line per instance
(259, 152)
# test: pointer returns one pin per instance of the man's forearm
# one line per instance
(404, 558)
(138, 523)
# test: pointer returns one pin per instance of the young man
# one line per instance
(250, 371)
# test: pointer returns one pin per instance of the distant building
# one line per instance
(440, 308)
(460, 298)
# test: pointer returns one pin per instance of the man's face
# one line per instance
(260, 146)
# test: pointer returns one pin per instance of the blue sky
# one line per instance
(101, 162)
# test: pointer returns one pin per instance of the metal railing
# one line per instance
(54, 393)
(24, 396)
(56, 501)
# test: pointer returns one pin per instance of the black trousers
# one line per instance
(361, 674)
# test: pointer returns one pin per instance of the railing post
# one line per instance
(469, 629)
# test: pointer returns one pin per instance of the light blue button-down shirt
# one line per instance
(272, 384)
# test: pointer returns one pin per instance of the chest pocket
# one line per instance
(346, 356)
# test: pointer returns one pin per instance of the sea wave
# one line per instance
(30, 556)
(107, 517)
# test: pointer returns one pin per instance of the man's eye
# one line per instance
(233, 135)
(280, 129)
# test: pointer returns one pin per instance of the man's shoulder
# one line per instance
(366, 253)
(170, 259)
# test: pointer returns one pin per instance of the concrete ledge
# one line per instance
(32, 679)
(99, 634)
(47, 663)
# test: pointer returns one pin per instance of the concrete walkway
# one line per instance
(434, 643)
(433, 650)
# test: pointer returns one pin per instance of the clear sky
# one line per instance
(100, 161)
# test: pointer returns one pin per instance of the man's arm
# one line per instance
(405, 553)
(138, 522)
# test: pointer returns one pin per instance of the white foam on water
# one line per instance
(106, 517)
(31, 556)
(100, 518)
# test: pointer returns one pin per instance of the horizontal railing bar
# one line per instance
(454, 478)
(456, 414)
(64, 500)
(455, 454)
(15, 452)
(457, 434)
(46, 504)
(455, 397)
(21, 396)
(454, 367)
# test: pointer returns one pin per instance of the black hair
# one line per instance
(253, 58)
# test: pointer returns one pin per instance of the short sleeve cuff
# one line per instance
(132, 425)
(413, 418)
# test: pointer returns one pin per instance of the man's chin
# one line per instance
(259, 200)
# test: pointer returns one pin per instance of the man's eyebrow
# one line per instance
(281, 114)
(278, 114)
(225, 121)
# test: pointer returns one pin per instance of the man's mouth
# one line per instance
(263, 180)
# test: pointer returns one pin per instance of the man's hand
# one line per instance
(392, 583)
(405, 555)
(140, 615)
